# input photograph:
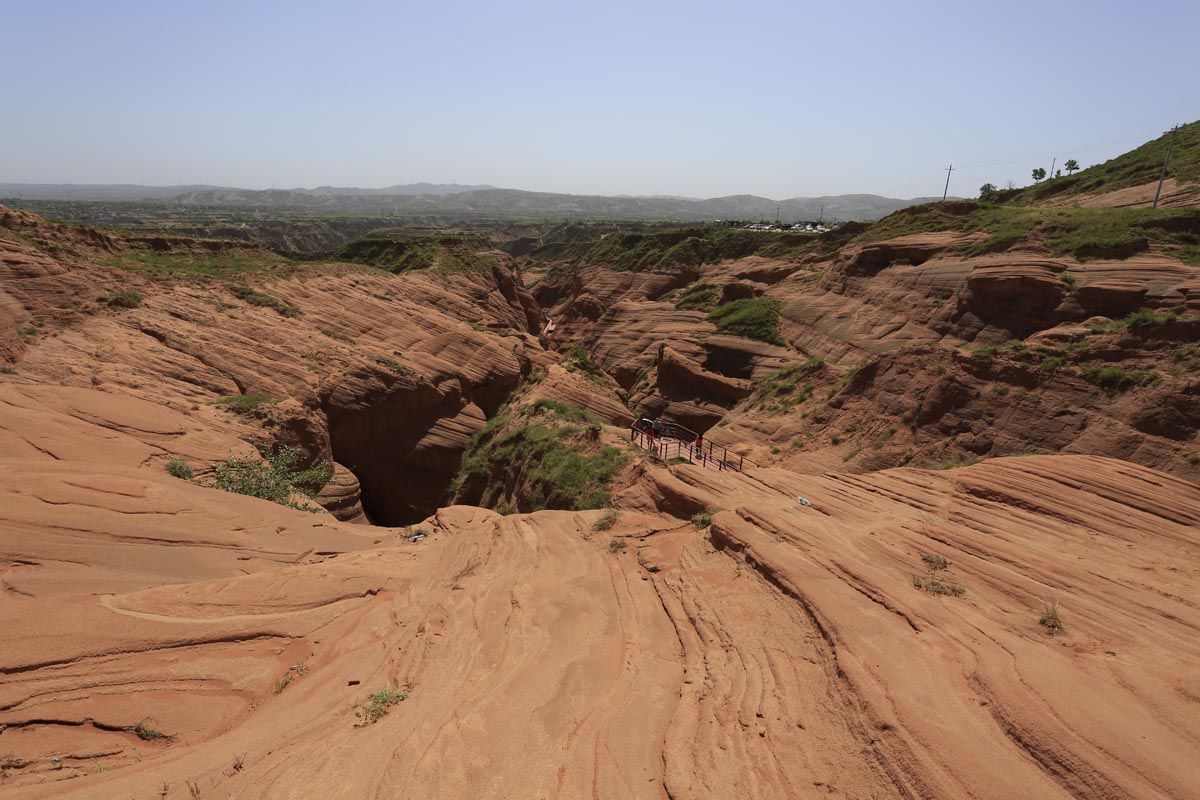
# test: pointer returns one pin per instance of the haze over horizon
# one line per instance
(624, 99)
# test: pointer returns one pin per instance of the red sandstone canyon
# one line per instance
(388, 521)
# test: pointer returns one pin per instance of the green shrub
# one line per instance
(617, 545)
(753, 318)
(704, 518)
(275, 477)
(124, 298)
(179, 468)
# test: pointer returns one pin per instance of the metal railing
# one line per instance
(669, 440)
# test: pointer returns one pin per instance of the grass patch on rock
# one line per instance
(753, 318)
(784, 390)
(123, 298)
(257, 298)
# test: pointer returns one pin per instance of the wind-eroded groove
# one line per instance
(62, 662)
(107, 601)
(863, 587)
(854, 707)
(1073, 775)
(161, 338)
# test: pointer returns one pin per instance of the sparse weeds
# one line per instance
(935, 561)
(935, 580)
(379, 704)
(146, 733)
(934, 584)
(617, 545)
(787, 388)
(704, 518)
(336, 336)
(394, 365)
(606, 520)
(465, 572)
(581, 361)
(1051, 618)
(293, 672)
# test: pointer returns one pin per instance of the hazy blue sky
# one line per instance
(773, 98)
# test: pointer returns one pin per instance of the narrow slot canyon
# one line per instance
(406, 447)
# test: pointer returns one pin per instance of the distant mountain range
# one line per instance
(134, 192)
(474, 202)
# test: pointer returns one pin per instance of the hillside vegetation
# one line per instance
(403, 250)
(1080, 232)
(1138, 166)
(667, 247)
(545, 455)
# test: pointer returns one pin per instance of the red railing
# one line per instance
(669, 440)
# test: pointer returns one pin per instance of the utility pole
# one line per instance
(822, 219)
(946, 191)
(1162, 175)
(1053, 161)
